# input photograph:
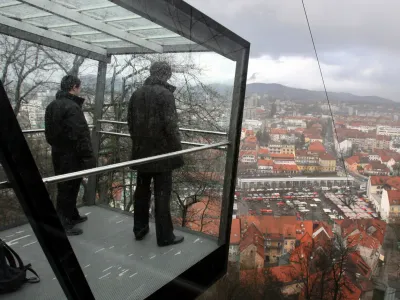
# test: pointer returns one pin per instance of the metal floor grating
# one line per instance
(115, 264)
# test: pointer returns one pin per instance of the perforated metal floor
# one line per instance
(115, 264)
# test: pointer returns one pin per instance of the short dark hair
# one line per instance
(69, 82)
(160, 69)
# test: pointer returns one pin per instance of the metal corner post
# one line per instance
(90, 198)
(238, 99)
(26, 181)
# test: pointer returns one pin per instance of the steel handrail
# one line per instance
(181, 129)
(113, 167)
(128, 135)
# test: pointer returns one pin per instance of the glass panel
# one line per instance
(132, 23)
(153, 32)
(20, 11)
(172, 41)
(50, 21)
(116, 266)
(108, 13)
(78, 30)
(83, 3)
(114, 44)
(94, 37)
(2, 2)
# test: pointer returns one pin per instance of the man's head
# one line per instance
(71, 84)
(161, 70)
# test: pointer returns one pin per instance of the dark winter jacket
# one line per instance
(68, 134)
(153, 125)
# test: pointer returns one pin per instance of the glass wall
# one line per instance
(114, 264)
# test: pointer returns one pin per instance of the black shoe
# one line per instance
(176, 240)
(79, 219)
(73, 231)
(142, 233)
(68, 225)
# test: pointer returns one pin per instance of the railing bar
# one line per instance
(5, 185)
(104, 169)
(31, 131)
(128, 135)
(181, 129)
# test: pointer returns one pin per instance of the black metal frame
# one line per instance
(28, 184)
(25, 178)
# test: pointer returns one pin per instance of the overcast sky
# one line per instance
(358, 42)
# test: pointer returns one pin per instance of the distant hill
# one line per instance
(284, 92)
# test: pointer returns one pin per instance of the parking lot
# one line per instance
(304, 203)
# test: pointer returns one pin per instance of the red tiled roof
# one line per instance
(302, 230)
(212, 208)
(265, 162)
(368, 227)
(388, 153)
(235, 232)
(285, 225)
(383, 138)
(204, 216)
(379, 180)
(287, 168)
(394, 197)
(285, 274)
(353, 160)
(278, 131)
(326, 156)
(208, 226)
(312, 131)
(253, 236)
(376, 166)
(348, 290)
(361, 266)
(283, 155)
(248, 152)
(361, 154)
(250, 140)
(316, 147)
(327, 227)
(363, 239)
(394, 182)
(262, 151)
(385, 158)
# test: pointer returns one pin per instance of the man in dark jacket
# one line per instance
(68, 134)
(153, 125)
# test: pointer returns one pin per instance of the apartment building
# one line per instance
(388, 130)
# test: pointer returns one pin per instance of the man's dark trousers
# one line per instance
(162, 197)
(67, 191)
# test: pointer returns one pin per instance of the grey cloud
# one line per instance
(356, 35)
(278, 27)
